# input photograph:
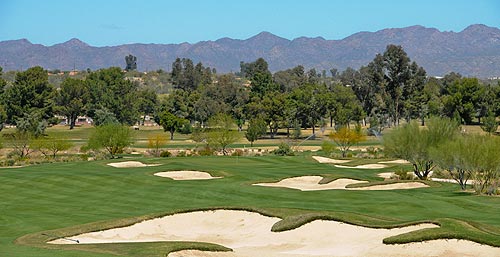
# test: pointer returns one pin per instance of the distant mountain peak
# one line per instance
(265, 36)
(478, 28)
(72, 43)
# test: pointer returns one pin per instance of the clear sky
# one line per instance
(114, 22)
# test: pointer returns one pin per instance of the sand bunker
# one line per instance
(249, 234)
(311, 183)
(393, 186)
(131, 164)
(322, 159)
(185, 175)
(395, 162)
(364, 166)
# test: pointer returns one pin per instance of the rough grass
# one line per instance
(65, 199)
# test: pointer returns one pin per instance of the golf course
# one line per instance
(51, 209)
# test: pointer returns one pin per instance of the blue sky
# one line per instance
(114, 22)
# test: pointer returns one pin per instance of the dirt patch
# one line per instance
(185, 175)
(373, 166)
(131, 164)
(249, 234)
(322, 159)
(311, 183)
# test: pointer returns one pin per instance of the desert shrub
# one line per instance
(345, 137)
(283, 150)
(156, 142)
(205, 151)
(413, 144)
(165, 154)
(237, 152)
(403, 175)
(327, 147)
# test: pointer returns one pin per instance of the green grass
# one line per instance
(70, 198)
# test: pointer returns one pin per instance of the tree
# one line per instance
(155, 143)
(346, 137)
(28, 128)
(170, 123)
(31, 92)
(147, 100)
(131, 62)
(463, 97)
(108, 89)
(490, 123)
(413, 144)
(103, 117)
(3, 114)
(113, 137)
(453, 156)
(49, 147)
(221, 133)
(256, 129)
(71, 99)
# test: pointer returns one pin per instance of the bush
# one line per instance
(283, 150)
(403, 175)
(237, 152)
(165, 154)
(181, 154)
(327, 147)
(206, 151)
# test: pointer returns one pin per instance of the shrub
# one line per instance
(165, 154)
(327, 147)
(413, 144)
(206, 151)
(112, 137)
(403, 175)
(283, 150)
(181, 154)
(345, 137)
(237, 152)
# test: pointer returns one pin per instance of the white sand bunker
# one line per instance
(393, 186)
(364, 166)
(311, 183)
(186, 175)
(131, 164)
(249, 234)
(322, 159)
(395, 162)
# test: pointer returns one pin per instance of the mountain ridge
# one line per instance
(474, 51)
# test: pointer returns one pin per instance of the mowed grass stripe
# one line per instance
(53, 196)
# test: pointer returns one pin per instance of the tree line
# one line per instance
(388, 89)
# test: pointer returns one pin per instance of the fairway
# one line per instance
(42, 202)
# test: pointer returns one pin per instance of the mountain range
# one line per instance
(475, 51)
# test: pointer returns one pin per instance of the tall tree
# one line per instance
(31, 92)
(3, 114)
(131, 62)
(108, 89)
(397, 75)
(71, 99)
(463, 97)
